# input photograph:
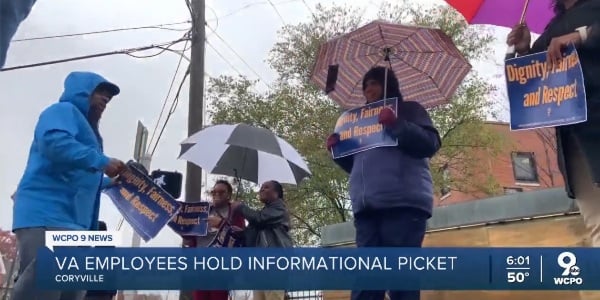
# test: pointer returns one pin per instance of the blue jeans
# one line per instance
(12, 13)
(397, 227)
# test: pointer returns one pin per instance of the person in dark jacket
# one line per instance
(578, 146)
(391, 187)
(268, 227)
(100, 295)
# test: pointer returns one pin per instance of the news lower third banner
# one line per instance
(359, 129)
(192, 219)
(542, 96)
(144, 204)
(318, 269)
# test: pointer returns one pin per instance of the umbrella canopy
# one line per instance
(506, 13)
(428, 65)
(245, 152)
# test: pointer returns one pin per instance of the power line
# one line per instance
(167, 97)
(159, 26)
(249, 5)
(124, 51)
(308, 7)
(277, 11)
(172, 109)
(237, 54)
(223, 58)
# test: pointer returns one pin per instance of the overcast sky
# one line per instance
(250, 31)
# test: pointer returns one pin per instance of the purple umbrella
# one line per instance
(506, 13)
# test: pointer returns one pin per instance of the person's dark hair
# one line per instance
(102, 226)
(226, 184)
(559, 9)
(378, 74)
(278, 188)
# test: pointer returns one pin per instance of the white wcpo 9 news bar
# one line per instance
(82, 238)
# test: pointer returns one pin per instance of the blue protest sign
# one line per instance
(542, 96)
(145, 206)
(192, 219)
(360, 130)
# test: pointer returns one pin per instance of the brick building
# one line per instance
(526, 162)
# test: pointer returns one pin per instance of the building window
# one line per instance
(512, 190)
(524, 167)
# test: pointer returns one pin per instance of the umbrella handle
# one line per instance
(525, 6)
(510, 52)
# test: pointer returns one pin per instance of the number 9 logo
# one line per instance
(566, 260)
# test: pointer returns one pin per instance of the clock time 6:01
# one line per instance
(517, 260)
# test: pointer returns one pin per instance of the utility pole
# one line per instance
(193, 178)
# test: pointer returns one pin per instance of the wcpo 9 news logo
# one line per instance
(570, 275)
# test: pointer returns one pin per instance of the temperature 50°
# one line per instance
(517, 276)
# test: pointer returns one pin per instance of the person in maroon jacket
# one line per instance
(221, 211)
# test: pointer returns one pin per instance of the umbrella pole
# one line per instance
(510, 52)
(385, 83)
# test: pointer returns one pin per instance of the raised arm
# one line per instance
(271, 214)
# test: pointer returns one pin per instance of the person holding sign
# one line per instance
(576, 22)
(60, 188)
(391, 187)
(221, 211)
(268, 227)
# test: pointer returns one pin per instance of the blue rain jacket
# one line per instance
(62, 180)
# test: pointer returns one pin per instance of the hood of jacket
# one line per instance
(79, 86)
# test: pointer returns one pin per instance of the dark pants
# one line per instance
(99, 297)
(211, 295)
(29, 240)
(398, 227)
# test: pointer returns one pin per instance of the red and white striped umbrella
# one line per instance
(428, 65)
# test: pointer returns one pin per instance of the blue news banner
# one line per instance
(359, 129)
(319, 269)
(542, 96)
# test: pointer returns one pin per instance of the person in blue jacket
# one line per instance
(12, 13)
(391, 188)
(60, 188)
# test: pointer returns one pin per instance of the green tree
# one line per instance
(297, 111)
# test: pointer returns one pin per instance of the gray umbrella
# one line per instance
(246, 152)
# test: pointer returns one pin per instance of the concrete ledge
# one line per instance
(505, 208)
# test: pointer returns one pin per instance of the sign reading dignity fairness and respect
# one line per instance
(192, 219)
(359, 129)
(145, 205)
(542, 96)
